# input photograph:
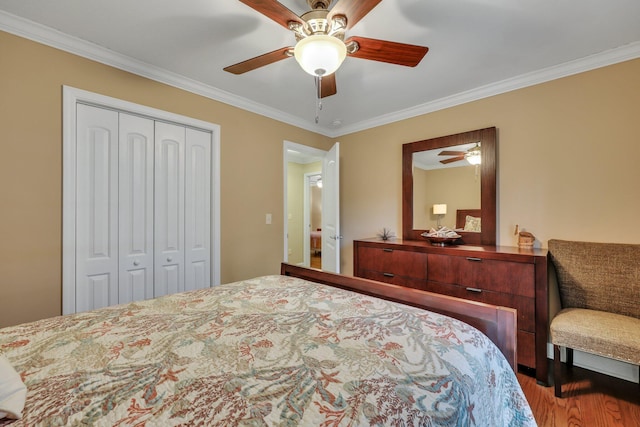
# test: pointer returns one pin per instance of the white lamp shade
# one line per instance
(440, 209)
(320, 55)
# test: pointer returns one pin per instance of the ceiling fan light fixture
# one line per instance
(474, 156)
(319, 54)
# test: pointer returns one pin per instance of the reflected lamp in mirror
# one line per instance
(439, 210)
(474, 155)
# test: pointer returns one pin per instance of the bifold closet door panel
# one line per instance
(136, 154)
(169, 203)
(96, 235)
(197, 210)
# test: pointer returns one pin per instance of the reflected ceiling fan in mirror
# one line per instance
(321, 46)
(472, 155)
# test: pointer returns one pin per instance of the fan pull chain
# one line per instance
(318, 97)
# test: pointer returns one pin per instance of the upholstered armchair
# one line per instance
(599, 285)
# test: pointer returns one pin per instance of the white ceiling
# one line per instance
(478, 48)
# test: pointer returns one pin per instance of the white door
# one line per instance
(96, 234)
(169, 208)
(135, 202)
(331, 210)
(197, 210)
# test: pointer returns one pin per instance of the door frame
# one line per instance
(70, 98)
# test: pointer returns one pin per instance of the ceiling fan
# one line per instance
(472, 155)
(321, 46)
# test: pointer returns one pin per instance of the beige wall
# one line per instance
(567, 166)
(295, 210)
(31, 79)
(568, 155)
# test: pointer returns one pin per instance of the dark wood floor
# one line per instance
(590, 399)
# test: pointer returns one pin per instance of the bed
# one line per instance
(468, 219)
(300, 348)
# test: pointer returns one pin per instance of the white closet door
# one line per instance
(96, 208)
(169, 209)
(135, 208)
(198, 210)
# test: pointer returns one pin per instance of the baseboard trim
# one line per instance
(611, 367)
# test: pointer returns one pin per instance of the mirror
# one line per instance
(466, 190)
(435, 173)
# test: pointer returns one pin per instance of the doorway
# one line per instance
(311, 233)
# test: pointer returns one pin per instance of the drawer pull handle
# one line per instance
(388, 274)
(387, 250)
(474, 290)
(474, 259)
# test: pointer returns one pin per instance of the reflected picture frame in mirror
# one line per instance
(488, 141)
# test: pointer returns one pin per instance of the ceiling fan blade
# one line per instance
(274, 10)
(385, 51)
(328, 86)
(259, 61)
(451, 160)
(451, 153)
(354, 10)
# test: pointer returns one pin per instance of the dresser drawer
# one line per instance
(487, 274)
(526, 353)
(407, 282)
(524, 305)
(392, 261)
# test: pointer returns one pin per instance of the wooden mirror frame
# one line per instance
(487, 138)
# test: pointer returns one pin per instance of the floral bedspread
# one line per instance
(270, 351)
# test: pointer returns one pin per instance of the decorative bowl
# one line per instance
(441, 241)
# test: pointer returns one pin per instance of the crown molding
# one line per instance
(45, 35)
(602, 59)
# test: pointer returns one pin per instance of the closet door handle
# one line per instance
(136, 262)
(476, 290)
(474, 259)
(169, 259)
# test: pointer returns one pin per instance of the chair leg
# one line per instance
(557, 377)
(569, 357)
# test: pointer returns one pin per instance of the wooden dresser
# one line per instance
(499, 275)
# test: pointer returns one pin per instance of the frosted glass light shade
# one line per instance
(474, 156)
(320, 55)
(474, 159)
